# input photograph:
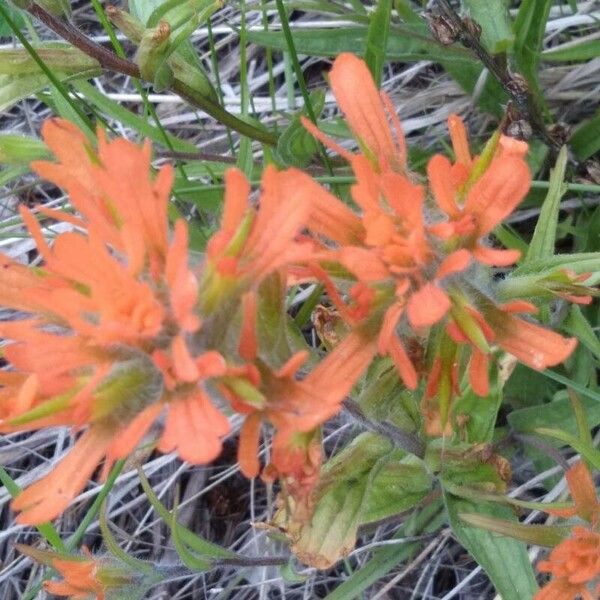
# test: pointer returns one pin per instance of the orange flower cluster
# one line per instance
(418, 254)
(124, 339)
(85, 577)
(575, 562)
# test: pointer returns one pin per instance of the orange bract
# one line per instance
(575, 562)
(114, 308)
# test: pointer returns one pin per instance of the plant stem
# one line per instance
(517, 91)
(402, 439)
(110, 61)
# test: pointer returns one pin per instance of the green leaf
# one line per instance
(21, 149)
(503, 559)
(191, 539)
(576, 324)
(15, 14)
(529, 27)
(408, 43)
(385, 559)
(400, 483)
(377, 38)
(17, 87)
(544, 237)
(579, 262)
(492, 15)
(540, 535)
(585, 142)
(582, 446)
(339, 502)
(576, 51)
(128, 118)
(526, 420)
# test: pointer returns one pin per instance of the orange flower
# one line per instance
(83, 577)
(111, 190)
(475, 196)
(369, 113)
(292, 406)
(114, 310)
(407, 272)
(254, 242)
(575, 562)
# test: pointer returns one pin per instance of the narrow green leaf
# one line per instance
(129, 119)
(576, 324)
(377, 37)
(188, 558)
(585, 142)
(529, 27)
(540, 535)
(492, 15)
(526, 420)
(408, 43)
(584, 448)
(576, 51)
(544, 237)
(193, 540)
(114, 548)
(583, 427)
(505, 560)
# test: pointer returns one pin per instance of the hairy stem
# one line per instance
(110, 61)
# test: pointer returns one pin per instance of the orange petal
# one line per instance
(248, 446)
(454, 263)
(194, 429)
(439, 173)
(460, 140)
(248, 344)
(403, 363)
(337, 373)
(235, 204)
(364, 110)
(518, 306)
(533, 345)
(427, 306)
(496, 258)
(48, 497)
(388, 327)
(478, 373)
(498, 192)
(583, 491)
(183, 363)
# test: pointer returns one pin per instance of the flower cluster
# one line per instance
(124, 341)
(575, 562)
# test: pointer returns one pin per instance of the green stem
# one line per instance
(94, 509)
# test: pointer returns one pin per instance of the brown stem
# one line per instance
(514, 84)
(107, 59)
(110, 61)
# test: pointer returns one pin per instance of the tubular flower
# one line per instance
(575, 562)
(110, 341)
(476, 195)
(292, 406)
(84, 577)
(407, 264)
(254, 242)
(370, 114)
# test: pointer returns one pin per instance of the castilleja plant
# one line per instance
(126, 342)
